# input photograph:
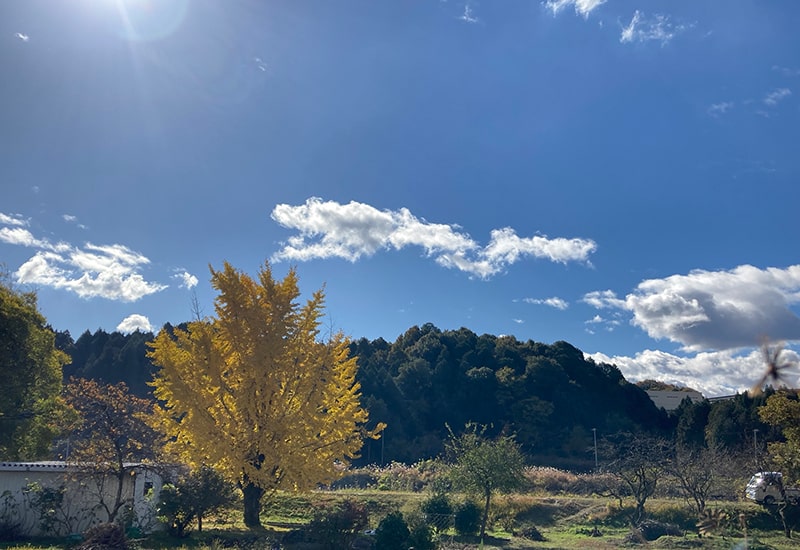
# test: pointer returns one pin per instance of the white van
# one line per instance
(767, 488)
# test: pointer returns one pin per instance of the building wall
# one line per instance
(669, 399)
(83, 491)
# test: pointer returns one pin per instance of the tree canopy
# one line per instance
(30, 377)
(782, 410)
(255, 393)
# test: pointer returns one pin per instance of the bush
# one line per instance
(531, 533)
(438, 512)
(392, 533)
(467, 520)
(421, 533)
(10, 518)
(337, 527)
(201, 492)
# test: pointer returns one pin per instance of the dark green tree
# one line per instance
(30, 378)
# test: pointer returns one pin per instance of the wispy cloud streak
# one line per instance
(659, 28)
(582, 7)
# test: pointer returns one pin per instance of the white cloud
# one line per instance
(350, 231)
(777, 95)
(19, 236)
(603, 299)
(714, 310)
(644, 29)
(556, 302)
(582, 7)
(106, 271)
(11, 219)
(22, 36)
(72, 219)
(187, 280)
(134, 322)
(719, 109)
(713, 374)
(786, 71)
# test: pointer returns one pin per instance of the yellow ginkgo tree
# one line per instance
(256, 393)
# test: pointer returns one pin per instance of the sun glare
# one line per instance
(146, 20)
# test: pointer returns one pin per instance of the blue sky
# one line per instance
(622, 175)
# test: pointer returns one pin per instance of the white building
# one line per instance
(670, 399)
(75, 495)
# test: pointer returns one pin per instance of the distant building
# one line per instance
(74, 494)
(670, 399)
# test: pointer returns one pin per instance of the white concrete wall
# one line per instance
(84, 491)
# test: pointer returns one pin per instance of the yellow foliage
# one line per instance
(254, 392)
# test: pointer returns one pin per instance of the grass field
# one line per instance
(565, 522)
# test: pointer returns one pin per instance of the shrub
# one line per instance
(10, 518)
(530, 532)
(192, 497)
(421, 533)
(438, 512)
(52, 508)
(467, 519)
(336, 527)
(392, 532)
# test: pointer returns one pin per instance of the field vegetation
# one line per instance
(555, 509)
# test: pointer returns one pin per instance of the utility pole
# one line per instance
(594, 434)
(755, 446)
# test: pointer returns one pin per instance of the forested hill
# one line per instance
(110, 357)
(549, 395)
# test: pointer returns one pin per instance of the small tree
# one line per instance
(638, 462)
(194, 496)
(110, 436)
(699, 472)
(484, 466)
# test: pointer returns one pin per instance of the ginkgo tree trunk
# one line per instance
(256, 393)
